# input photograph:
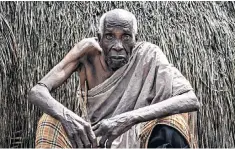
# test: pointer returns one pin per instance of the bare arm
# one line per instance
(70, 62)
(111, 128)
(41, 97)
(186, 102)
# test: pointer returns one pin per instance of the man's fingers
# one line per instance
(98, 132)
(85, 139)
(96, 126)
(96, 38)
(78, 141)
(110, 141)
(73, 143)
(91, 135)
(96, 44)
(71, 138)
(69, 132)
(102, 141)
(83, 135)
(97, 129)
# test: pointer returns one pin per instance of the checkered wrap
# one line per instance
(50, 132)
(183, 123)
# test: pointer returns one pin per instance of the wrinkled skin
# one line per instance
(78, 130)
(111, 128)
(117, 39)
(96, 60)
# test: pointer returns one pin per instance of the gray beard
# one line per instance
(114, 64)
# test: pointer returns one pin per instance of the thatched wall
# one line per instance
(197, 37)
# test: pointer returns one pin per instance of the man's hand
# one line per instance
(78, 130)
(79, 53)
(87, 46)
(110, 129)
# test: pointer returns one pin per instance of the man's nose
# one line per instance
(118, 46)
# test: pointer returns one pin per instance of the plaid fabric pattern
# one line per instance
(50, 134)
(180, 122)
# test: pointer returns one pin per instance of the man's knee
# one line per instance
(50, 134)
(164, 136)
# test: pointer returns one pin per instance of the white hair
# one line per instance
(101, 24)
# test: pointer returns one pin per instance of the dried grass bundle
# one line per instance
(197, 37)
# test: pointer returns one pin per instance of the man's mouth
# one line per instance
(118, 58)
(117, 61)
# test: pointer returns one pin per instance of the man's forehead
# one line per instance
(119, 16)
(112, 28)
(126, 23)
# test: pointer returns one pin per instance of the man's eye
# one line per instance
(109, 36)
(126, 37)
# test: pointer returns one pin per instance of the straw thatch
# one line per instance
(197, 37)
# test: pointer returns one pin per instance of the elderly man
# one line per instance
(125, 87)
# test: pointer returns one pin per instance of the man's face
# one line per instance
(117, 41)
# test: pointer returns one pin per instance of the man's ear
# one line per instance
(99, 36)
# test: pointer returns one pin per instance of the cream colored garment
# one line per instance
(146, 79)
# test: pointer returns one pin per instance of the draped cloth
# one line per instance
(184, 123)
(147, 78)
(51, 134)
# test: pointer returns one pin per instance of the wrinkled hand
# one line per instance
(87, 46)
(78, 130)
(110, 129)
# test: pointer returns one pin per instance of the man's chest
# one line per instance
(93, 71)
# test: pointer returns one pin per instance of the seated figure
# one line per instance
(129, 95)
